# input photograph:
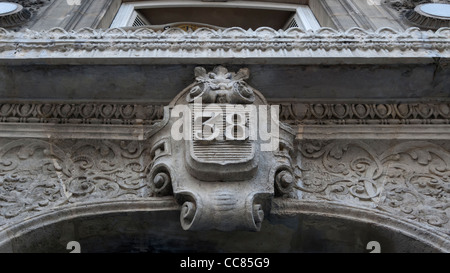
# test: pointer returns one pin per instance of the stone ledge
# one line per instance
(140, 132)
(264, 45)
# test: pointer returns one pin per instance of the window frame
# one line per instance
(128, 11)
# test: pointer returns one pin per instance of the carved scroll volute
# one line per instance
(221, 173)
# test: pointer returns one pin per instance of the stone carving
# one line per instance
(226, 185)
(422, 19)
(32, 5)
(364, 113)
(221, 86)
(408, 179)
(80, 113)
(37, 175)
(411, 11)
(221, 183)
(292, 113)
(15, 18)
(231, 42)
(405, 5)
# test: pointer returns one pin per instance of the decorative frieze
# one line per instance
(407, 179)
(80, 113)
(412, 113)
(232, 42)
(225, 184)
(366, 113)
(37, 175)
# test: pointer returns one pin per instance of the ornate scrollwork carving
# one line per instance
(410, 179)
(221, 182)
(188, 211)
(366, 113)
(80, 113)
(36, 175)
(231, 41)
(293, 113)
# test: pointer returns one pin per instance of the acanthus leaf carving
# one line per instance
(409, 179)
(37, 175)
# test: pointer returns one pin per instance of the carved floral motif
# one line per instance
(366, 113)
(409, 179)
(80, 113)
(37, 175)
(59, 42)
(292, 113)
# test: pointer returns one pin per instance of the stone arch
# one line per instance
(293, 226)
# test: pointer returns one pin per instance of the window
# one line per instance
(194, 14)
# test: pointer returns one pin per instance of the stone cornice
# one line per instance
(206, 45)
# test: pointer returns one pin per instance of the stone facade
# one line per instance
(369, 143)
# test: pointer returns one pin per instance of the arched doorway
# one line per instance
(137, 228)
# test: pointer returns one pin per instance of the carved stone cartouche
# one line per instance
(221, 183)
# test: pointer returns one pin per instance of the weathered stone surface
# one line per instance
(225, 182)
(73, 14)
(80, 151)
(321, 65)
(429, 21)
(408, 179)
(16, 17)
(263, 42)
(403, 182)
(85, 147)
(38, 175)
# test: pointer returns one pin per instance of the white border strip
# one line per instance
(307, 18)
(123, 16)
